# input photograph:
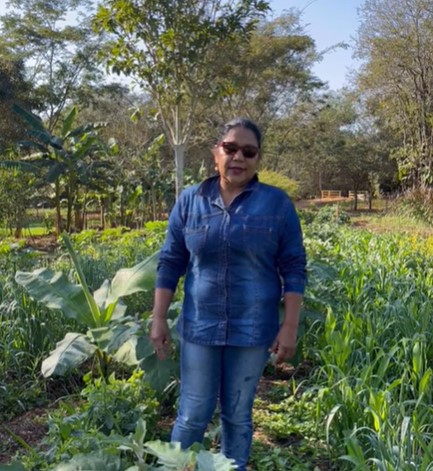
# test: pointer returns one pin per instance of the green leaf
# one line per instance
(15, 466)
(110, 339)
(159, 374)
(208, 461)
(170, 455)
(141, 277)
(95, 461)
(126, 354)
(68, 121)
(70, 352)
(56, 292)
(114, 310)
(85, 128)
(92, 306)
(140, 432)
(34, 120)
(21, 166)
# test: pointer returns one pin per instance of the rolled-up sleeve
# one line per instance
(174, 256)
(291, 255)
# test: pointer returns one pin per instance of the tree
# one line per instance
(16, 191)
(13, 89)
(57, 55)
(272, 71)
(173, 49)
(66, 161)
(305, 144)
(395, 40)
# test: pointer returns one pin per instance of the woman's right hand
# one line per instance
(160, 337)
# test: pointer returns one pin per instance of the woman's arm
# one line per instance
(284, 345)
(159, 333)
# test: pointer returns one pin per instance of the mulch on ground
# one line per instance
(31, 427)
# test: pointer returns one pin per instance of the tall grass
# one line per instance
(374, 348)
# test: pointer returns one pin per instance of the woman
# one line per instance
(238, 241)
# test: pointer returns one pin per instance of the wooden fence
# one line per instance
(331, 194)
(362, 195)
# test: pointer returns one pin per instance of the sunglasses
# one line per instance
(230, 148)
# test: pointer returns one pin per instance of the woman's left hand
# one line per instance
(284, 345)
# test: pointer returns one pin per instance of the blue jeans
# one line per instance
(230, 374)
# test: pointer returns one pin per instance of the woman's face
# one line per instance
(236, 158)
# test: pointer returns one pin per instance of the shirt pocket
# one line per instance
(195, 238)
(260, 237)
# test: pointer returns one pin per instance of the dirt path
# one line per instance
(302, 204)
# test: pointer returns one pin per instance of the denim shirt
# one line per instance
(236, 260)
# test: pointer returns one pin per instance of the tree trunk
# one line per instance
(179, 152)
(102, 213)
(122, 210)
(59, 225)
(69, 215)
(355, 201)
(153, 195)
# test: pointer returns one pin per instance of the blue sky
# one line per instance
(328, 22)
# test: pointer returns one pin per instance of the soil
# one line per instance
(46, 243)
(31, 427)
(302, 204)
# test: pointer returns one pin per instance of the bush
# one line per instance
(416, 203)
(286, 184)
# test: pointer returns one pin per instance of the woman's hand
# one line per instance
(160, 337)
(284, 345)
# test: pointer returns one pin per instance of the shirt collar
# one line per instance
(210, 188)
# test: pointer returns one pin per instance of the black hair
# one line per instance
(242, 123)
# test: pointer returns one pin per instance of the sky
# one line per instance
(328, 22)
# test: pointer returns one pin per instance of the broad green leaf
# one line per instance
(70, 352)
(101, 294)
(21, 166)
(68, 121)
(85, 128)
(159, 374)
(170, 455)
(144, 347)
(93, 307)
(141, 277)
(32, 119)
(15, 466)
(127, 353)
(56, 292)
(57, 169)
(140, 432)
(114, 310)
(208, 461)
(95, 461)
(110, 339)
(424, 381)
(31, 144)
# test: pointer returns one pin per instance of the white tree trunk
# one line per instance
(179, 152)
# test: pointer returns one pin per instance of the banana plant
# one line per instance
(103, 312)
(62, 159)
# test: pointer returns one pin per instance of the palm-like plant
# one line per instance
(64, 161)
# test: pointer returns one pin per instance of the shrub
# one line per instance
(286, 184)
